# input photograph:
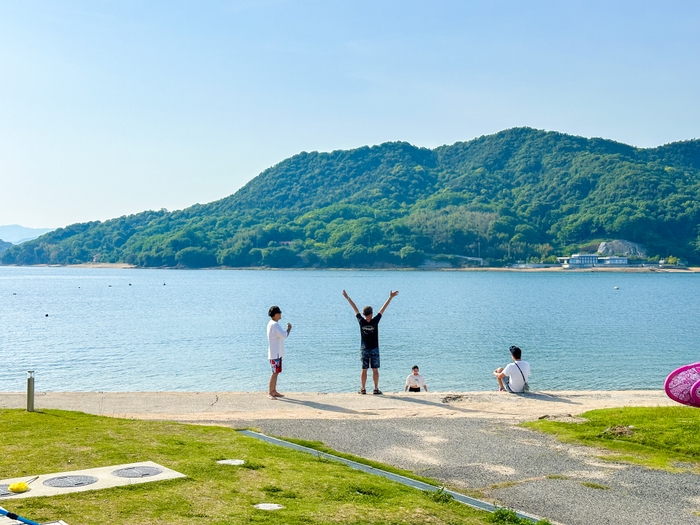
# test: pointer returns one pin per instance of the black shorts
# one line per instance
(370, 358)
(414, 389)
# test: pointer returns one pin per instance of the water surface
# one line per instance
(150, 330)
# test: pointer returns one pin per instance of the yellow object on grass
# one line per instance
(18, 487)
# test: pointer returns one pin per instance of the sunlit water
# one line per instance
(149, 330)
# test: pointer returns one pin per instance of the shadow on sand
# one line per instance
(431, 403)
(320, 406)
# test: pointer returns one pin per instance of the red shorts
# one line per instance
(276, 365)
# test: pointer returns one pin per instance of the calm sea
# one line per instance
(149, 330)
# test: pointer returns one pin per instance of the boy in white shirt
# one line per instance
(414, 381)
(275, 350)
(514, 376)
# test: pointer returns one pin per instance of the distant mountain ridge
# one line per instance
(17, 234)
(520, 194)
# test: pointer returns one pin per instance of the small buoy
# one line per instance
(616, 287)
(129, 284)
(47, 315)
(110, 285)
(163, 284)
(14, 294)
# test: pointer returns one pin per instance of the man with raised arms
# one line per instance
(369, 334)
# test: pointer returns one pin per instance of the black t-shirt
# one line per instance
(369, 331)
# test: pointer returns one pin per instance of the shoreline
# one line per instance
(595, 269)
(244, 408)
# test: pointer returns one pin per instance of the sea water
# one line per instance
(87, 329)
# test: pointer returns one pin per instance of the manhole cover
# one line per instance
(5, 491)
(66, 482)
(231, 462)
(137, 472)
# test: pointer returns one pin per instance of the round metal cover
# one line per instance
(5, 491)
(137, 472)
(66, 482)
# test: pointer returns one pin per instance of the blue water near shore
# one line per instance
(151, 330)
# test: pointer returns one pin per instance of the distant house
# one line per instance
(584, 260)
(613, 261)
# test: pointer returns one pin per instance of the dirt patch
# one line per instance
(618, 431)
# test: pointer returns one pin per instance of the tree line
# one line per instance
(519, 195)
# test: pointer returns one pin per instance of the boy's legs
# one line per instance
(374, 363)
(364, 359)
(500, 381)
(273, 385)
(276, 366)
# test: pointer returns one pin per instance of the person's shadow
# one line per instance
(542, 396)
(431, 403)
(321, 406)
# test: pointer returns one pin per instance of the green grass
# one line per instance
(658, 437)
(312, 491)
(596, 486)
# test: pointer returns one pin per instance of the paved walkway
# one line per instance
(513, 466)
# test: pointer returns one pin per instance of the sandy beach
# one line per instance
(246, 408)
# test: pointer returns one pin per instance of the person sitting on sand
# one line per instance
(415, 380)
(275, 350)
(513, 378)
(369, 334)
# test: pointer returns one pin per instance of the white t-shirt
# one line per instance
(275, 336)
(515, 378)
(415, 381)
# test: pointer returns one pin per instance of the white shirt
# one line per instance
(415, 381)
(515, 378)
(275, 336)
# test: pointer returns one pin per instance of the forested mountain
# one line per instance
(521, 194)
(4, 246)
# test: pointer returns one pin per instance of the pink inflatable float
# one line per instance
(683, 385)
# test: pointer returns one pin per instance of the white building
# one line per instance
(584, 260)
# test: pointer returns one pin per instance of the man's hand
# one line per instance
(353, 305)
(392, 294)
(289, 327)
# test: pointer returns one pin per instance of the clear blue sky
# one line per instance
(114, 107)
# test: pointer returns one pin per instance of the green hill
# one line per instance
(4, 246)
(521, 194)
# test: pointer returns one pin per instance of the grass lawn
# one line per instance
(658, 437)
(311, 489)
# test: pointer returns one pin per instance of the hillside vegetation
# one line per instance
(521, 194)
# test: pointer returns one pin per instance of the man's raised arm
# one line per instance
(391, 296)
(354, 307)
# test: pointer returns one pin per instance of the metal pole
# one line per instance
(30, 391)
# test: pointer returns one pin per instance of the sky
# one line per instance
(109, 108)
